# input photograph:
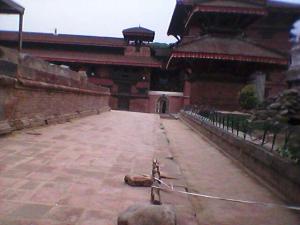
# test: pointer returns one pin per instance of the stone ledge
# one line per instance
(43, 85)
(7, 127)
(7, 81)
(278, 173)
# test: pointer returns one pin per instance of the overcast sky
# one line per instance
(95, 17)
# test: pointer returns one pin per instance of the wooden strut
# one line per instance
(156, 176)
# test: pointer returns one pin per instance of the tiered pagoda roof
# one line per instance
(221, 25)
(138, 34)
(188, 10)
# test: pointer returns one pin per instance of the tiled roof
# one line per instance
(95, 58)
(225, 48)
(47, 38)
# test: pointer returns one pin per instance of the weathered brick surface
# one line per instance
(34, 93)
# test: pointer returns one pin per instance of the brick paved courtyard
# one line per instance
(73, 173)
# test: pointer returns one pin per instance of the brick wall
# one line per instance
(138, 105)
(220, 95)
(276, 83)
(137, 51)
(33, 93)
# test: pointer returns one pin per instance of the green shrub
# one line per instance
(247, 97)
(292, 150)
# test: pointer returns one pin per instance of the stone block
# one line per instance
(5, 128)
(37, 121)
(142, 214)
(17, 124)
(25, 122)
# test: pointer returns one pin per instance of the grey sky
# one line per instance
(95, 17)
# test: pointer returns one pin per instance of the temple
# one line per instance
(222, 46)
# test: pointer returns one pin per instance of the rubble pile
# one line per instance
(284, 108)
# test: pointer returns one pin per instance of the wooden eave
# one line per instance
(10, 7)
(222, 51)
(228, 57)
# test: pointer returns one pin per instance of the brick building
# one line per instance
(131, 67)
(222, 46)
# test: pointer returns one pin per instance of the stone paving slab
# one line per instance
(208, 171)
(73, 173)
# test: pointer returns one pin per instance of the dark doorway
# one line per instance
(162, 105)
(123, 104)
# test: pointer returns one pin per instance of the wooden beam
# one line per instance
(20, 30)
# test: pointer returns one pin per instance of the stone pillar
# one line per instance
(293, 75)
(187, 88)
(258, 79)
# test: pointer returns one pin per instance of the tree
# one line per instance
(247, 97)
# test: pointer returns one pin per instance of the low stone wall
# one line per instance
(34, 93)
(280, 174)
